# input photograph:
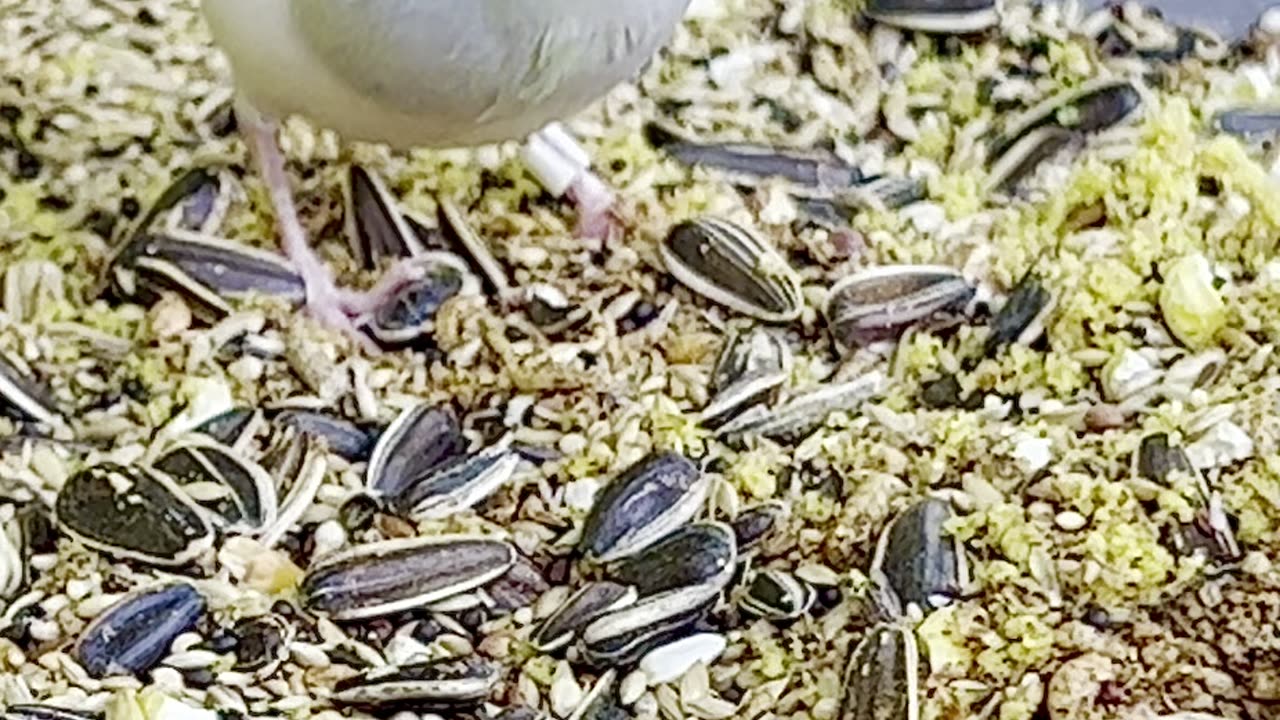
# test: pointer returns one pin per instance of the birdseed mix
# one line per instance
(933, 377)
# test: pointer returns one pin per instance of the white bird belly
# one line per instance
(423, 85)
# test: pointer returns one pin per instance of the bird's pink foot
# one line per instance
(339, 308)
(596, 205)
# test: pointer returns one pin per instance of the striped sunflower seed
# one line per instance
(919, 560)
(698, 554)
(1055, 123)
(623, 636)
(460, 483)
(250, 501)
(733, 266)
(442, 684)
(589, 602)
(881, 303)
(750, 369)
(935, 16)
(882, 678)
(394, 575)
(777, 595)
(26, 396)
(421, 440)
(208, 272)
(46, 712)
(645, 503)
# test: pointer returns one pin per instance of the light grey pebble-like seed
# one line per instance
(308, 655)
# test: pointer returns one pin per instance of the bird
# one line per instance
(430, 74)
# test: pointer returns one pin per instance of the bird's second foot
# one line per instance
(597, 207)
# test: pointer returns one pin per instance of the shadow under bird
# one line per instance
(430, 73)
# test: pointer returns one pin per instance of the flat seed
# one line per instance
(133, 513)
(376, 229)
(253, 501)
(354, 442)
(419, 441)
(950, 17)
(750, 369)
(459, 484)
(649, 500)
(695, 554)
(778, 595)
(730, 265)
(32, 400)
(46, 712)
(883, 302)
(390, 576)
(920, 561)
(133, 635)
(882, 678)
(623, 636)
(591, 601)
(437, 684)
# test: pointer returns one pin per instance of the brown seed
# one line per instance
(1105, 416)
(394, 527)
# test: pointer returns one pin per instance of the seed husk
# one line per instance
(437, 684)
(733, 266)
(882, 678)
(376, 228)
(133, 512)
(46, 712)
(230, 427)
(251, 503)
(1022, 315)
(935, 16)
(409, 316)
(1249, 121)
(421, 440)
(518, 587)
(750, 369)
(798, 417)
(354, 442)
(130, 637)
(1156, 460)
(749, 164)
(918, 560)
(827, 190)
(460, 233)
(777, 595)
(642, 505)
(28, 397)
(206, 271)
(599, 702)
(262, 643)
(589, 602)
(1058, 121)
(623, 636)
(701, 553)
(755, 523)
(882, 303)
(394, 575)
(460, 483)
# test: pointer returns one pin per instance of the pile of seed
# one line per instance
(934, 378)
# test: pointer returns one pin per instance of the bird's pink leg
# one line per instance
(596, 205)
(564, 169)
(328, 303)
